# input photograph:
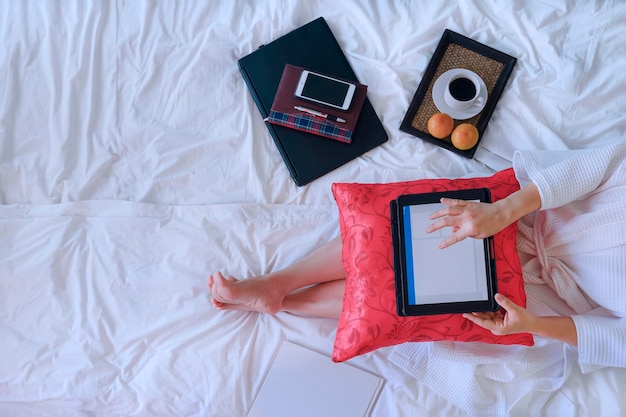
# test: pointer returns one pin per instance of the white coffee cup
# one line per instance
(463, 90)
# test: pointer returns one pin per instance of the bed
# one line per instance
(134, 163)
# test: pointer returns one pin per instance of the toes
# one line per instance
(219, 277)
(228, 306)
(217, 304)
(211, 279)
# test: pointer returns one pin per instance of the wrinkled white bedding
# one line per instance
(133, 162)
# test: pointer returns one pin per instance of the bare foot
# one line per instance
(255, 294)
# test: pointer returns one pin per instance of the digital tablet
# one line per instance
(458, 279)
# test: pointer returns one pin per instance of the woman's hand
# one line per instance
(467, 219)
(515, 319)
(481, 220)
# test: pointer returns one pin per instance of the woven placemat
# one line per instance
(457, 56)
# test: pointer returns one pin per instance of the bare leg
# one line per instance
(276, 291)
(321, 300)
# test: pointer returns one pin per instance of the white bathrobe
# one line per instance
(573, 254)
(576, 243)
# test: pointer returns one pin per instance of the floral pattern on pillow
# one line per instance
(368, 319)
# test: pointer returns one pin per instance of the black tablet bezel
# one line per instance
(403, 307)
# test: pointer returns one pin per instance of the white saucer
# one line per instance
(439, 88)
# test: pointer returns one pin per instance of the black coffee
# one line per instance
(462, 89)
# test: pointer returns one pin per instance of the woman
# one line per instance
(571, 213)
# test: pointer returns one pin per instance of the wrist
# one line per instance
(506, 211)
(520, 203)
(537, 325)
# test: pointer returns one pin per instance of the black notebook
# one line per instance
(458, 279)
(312, 46)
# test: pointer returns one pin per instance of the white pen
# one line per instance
(320, 114)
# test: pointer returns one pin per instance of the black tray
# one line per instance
(458, 51)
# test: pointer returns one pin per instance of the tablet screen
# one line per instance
(454, 274)
(430, 280)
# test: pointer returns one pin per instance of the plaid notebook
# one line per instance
(283, 110)
(311, 124)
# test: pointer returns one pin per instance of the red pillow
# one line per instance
(368, 318)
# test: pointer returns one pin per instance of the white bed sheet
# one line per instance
(133, 162)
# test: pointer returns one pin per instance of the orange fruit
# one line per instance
(465, 136)
(440, 125)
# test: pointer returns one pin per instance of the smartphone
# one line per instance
(325, 90)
